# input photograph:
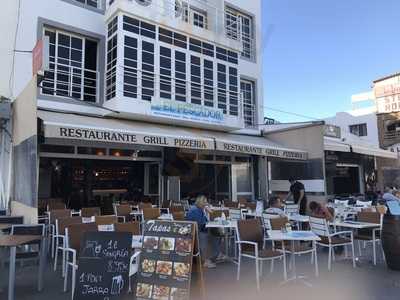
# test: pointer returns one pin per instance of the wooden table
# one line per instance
(12, 241)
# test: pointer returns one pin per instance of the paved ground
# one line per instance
(366, 282)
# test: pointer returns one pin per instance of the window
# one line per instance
(221, 76)
(227, 55)
(172, 38)
(247, 90)
(239, 26)
(91, 3)
(208, 83)
(147, 70)
(201, 47)
(111, 68)
(195, 72)
(359, 129)
(130, 67)
(233, 92)
(180, 76)
(139, 27)
(73, 66)
(165, 72)
(194, 16)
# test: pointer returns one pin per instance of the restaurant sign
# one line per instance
(186, 111)
(125, 137)
(388, 104)
(262, 151)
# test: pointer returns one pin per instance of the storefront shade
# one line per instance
(106, 130)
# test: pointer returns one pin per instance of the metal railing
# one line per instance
(72, 82)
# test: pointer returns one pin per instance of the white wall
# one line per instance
(55, 10)
(345, 119)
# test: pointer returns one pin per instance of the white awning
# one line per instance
(332, 145)
(374, 151)
(107, 130)
(255, 145)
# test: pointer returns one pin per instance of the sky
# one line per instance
(318, 53)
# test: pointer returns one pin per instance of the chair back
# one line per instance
(75, 232)
(369, 217)
(251, 205)
(55, 204)
(11, 220)
(59, 213)
(278, 223)
(151, 213)
(143, 205)
(231, 204)
(342, 202)
(235, 214)
(131, 227)
(63, 223)
(176, 208)
(291, 209)
(37, 229)
(90, 211)
(179, 215)
(266, 220)
(106, 220)
(250, 230)
(319, 226)
(218, 213)
(123, 210)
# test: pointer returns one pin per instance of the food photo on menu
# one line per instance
(150, 242)
(181, 269)
(179, 294)
(166, 244)
(164, 267)
(144, 290)
(161, 292)
(183, 245)
(148, 265)
(184, 229)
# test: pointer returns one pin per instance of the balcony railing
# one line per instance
(71, 82)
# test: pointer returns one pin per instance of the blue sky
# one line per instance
(317, 53)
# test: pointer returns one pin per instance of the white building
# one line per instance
(128, 81)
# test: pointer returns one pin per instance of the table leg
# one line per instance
(42, 263)
(11, 276)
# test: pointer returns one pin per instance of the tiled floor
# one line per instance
(366, 282)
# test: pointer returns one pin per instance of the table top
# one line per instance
(299, 218)
(220, 224)
(5, 226)
(17, 240)
(355, 224)
(278, 235)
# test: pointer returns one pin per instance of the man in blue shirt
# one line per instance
(207, 241)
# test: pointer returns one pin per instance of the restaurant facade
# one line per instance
(140, 101)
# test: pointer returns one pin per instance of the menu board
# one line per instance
(166, 261)
(103, 268)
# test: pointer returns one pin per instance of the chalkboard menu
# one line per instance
(103, 268)
(166, 261)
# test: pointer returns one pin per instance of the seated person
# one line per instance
(209, 242)
(320, 211)
(275, 207)
(389, 195)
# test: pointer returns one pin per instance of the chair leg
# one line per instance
(352, 253)
(272, 265)
(257, 274)
(330, 258)
(284, 267)
(374, 250)
(238, 267)
(66, 279)
(312, 258)
(261, 268)
(316, 262)
(73, 282)
(56, 255)
(359, 248)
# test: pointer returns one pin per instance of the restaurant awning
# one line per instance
(110, 130)
(255, 145)
(332, 145)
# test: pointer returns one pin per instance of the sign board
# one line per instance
(186, 111)
(387, 90)
(165, 269)
(332, 131)
(103, 271)
(126, 137)
(40, 57)
(388, 104)
(258, 150)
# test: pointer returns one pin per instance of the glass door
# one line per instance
(242, 181)
(152, 180)
(223, 182)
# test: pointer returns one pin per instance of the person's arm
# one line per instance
(301, 195)
(328, 214)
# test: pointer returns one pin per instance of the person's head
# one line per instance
(275, 202)
(388, 190)
(201, 201)
(292, 180)
(314, 206)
